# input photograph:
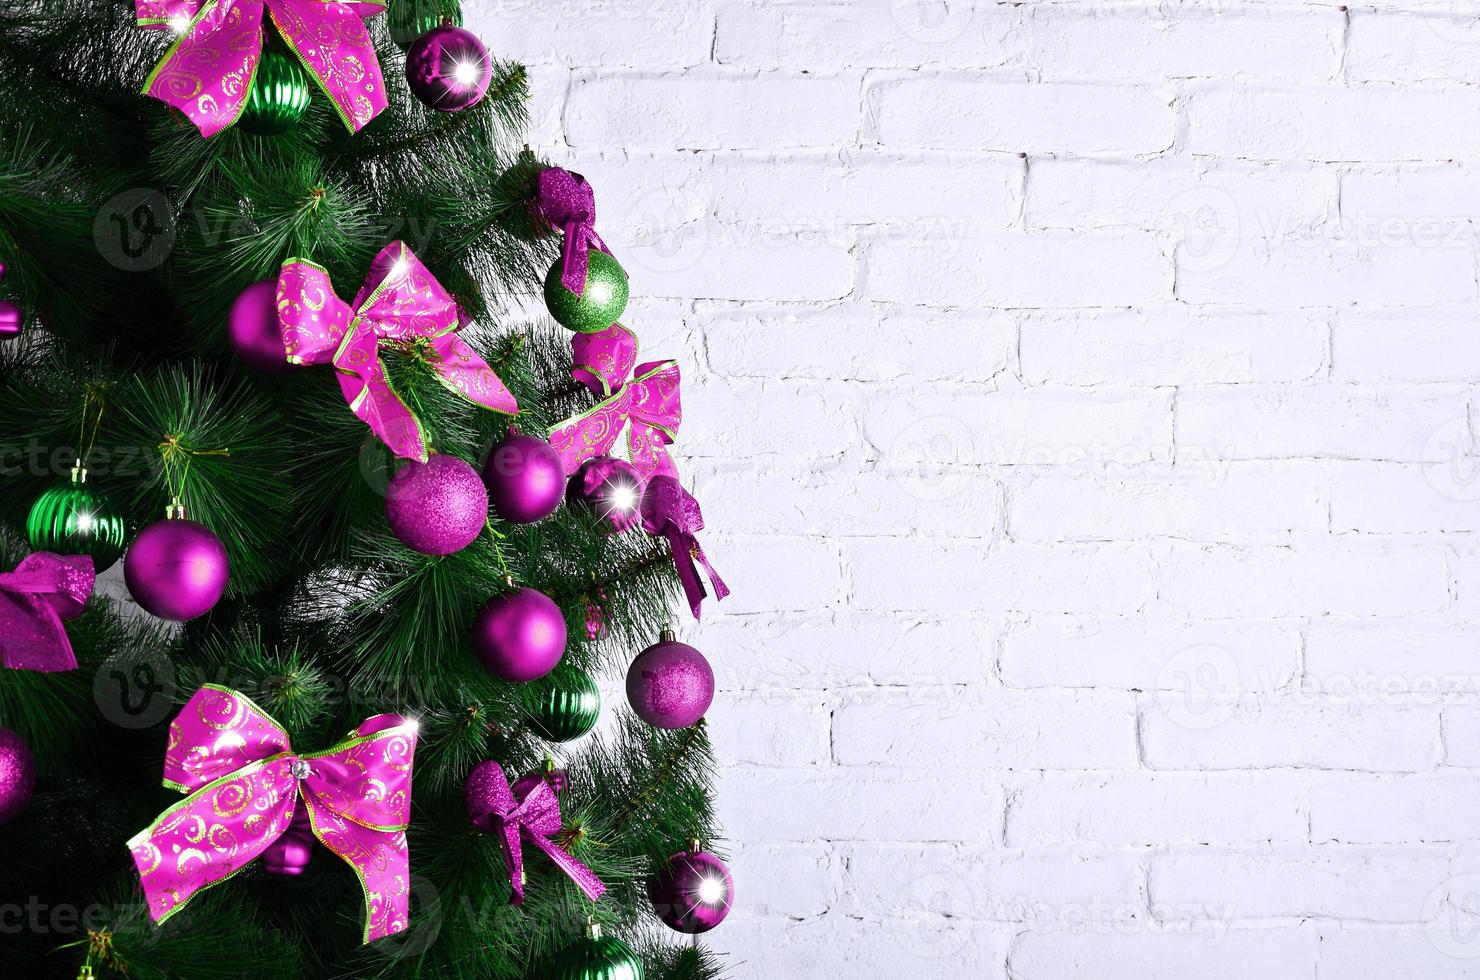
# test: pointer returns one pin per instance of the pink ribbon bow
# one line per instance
(567, 202)
(649, 402)
(244, 781)
(43, 590)
(529, 810)
(400, 303)
(208, 72)
(670, 510)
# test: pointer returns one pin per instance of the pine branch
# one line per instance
(673, 755)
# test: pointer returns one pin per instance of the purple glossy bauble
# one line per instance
(612, 488)
(525, 479)
(670, 684)
(693, 893)
(436, 507)
(448, 69)
(176, 569)
(12, 320)
(254, 331)
(17, 775)
(288, 856)
(520, 636)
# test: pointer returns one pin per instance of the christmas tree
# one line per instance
(267, 350)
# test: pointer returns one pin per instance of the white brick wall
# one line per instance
(1083, 400)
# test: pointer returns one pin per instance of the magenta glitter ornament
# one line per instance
(17, 775)
(520, 636)
(612, 488)
(670, 684)
(254, 331)
(448, 69)
(436, 507)
(525, 479)
(12, 318)
(176, 569)
(694, 892)
(289, 855)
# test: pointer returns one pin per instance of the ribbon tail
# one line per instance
(683, 547)
(721, 590)
(379, 859)
(513, 860)
(347, 68)
(460, 369)
(583, 876)
(370, 396)
(575, 257)
(596, 242)
(390, 419)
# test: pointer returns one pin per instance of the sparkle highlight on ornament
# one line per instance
(624, 498)
(711, 890)
(179, 23)
(465, 73)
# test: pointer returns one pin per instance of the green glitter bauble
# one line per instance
(75, 520)
(279, 96)
(595, 958)
(601, 304)
(568, 708)
(408, 20)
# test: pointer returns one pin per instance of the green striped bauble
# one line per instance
(567, 707)
(594, 957)
(408, 20)
(74, 519)
(279, 96)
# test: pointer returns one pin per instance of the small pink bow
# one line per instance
(529, 810)
(208, 72)
(647, 405)
(401, 303)
(43, 590)
(567, 202)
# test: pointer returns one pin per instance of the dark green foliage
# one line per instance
(127, 239)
